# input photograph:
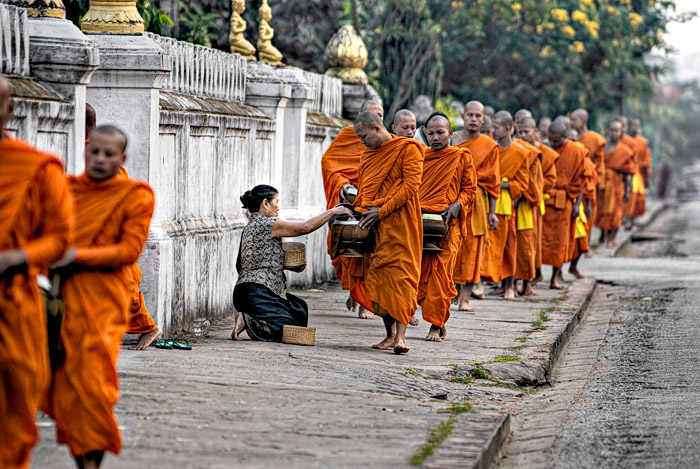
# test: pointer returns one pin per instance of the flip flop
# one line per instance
(179, 345)
(164, 343)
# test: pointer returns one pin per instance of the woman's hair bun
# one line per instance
(253, 198)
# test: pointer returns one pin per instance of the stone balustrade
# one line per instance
(329, 94)
(14, 41)
(203, 71)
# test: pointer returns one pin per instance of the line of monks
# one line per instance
(85, 232)
(514, 196)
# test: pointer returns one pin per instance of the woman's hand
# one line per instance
(341, 210)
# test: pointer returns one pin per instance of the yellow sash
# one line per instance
(637, 184)
(542, 207)
(504, 203)
(581, 223)
(525, 219)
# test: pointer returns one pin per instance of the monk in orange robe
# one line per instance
(583, 224)
(482, 217)
(620, 166)
(500, 255)
(34, 233)
(595, 144)
(631, 200)
(528, 223)
(405, 124)
(339, 166)
(447, 188)
(642, 157)
(549, 177)
(388, 181)
(563, 203)
(112, 215)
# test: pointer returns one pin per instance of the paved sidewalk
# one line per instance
(338, 404)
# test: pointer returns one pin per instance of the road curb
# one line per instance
(648, 220)
(475, 441)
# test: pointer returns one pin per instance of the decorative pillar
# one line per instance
(238, 43)
(346, 54)
(266, 51)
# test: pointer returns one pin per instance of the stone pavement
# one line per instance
(339, 403)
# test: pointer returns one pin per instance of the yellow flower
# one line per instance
(635, 19)
(568, 31)
(577, 46)
(560, 14)
(610, 9)
(456, 5)
(529, 29)
(579, 16)
(606, 63)
(549, 25)
(615, 43)
(516, 7)
(592, 28)
(587, 4)
(539, 28)
(546, 51)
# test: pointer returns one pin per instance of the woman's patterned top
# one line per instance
(261, 258)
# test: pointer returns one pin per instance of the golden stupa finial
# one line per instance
(239, 44)
(266, 51)
(346, 54)
(40, 8)
(112, 17)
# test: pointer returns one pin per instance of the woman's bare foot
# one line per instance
(146, 340)
(238, 327)
(384, 344)
(362, 313)
(434, 334)
(400, 348)
(414, 321)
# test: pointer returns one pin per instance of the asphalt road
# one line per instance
(640, 404)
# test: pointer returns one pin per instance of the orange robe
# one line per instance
(590, 176)
(448, 177)
(632, 200)
(527, 237)
(557, 225)
(140, 321)
(549, 178)
(112, 218)
(339, 166)
(595, 144)
(611, 210)
(389, 178)
(643, 159)
(35, 217)
(469, 259)
(500, 254)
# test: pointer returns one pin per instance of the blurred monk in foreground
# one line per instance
(388, 181)
(111, 215)
(34, 233)
(447, 188)
(482, 217)
(339, 166)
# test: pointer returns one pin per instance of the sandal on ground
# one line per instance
(164, 343)
(181, 344)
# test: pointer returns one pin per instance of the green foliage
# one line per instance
(480, 374)
(505, 358)
(196, 26)
(461, 408)
(436, 437)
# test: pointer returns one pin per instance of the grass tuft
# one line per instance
(436, 437)
(505, 358)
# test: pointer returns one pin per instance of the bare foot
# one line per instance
(478, 291)
(555, 285)
(443, 332)
(528, 291)
(400, 348)
(509, 294)
(464, 306)
(364, 314)
(536, 280)
(384, 344)
(498, 291)
(433, 334)
(351, 304)
(146, 340)
(238, 327)
(414, 321)
(576, 273)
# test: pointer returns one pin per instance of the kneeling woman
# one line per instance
(263, 306)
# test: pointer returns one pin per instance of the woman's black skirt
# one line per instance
(265, 313)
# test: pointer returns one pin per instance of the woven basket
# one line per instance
(294, 255)
(298, 335)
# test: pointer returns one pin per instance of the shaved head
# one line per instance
(403, 113)
(368, 119)
(6, 105)
(527, 130)
(581, 114)
(111, 131)
(521, 114)
(438, 131)
(489, 111)
(440, 117)
(475, 105)
(562, 120)
(374, 106)
(404, 123)
(370, 129)
(557, 134)
(504, 118)
(528, 122)
(579, 120)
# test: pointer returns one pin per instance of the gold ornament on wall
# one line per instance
(238, 43)
(40, 8)
(112, 17)
(346, 54)
(266, 51)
